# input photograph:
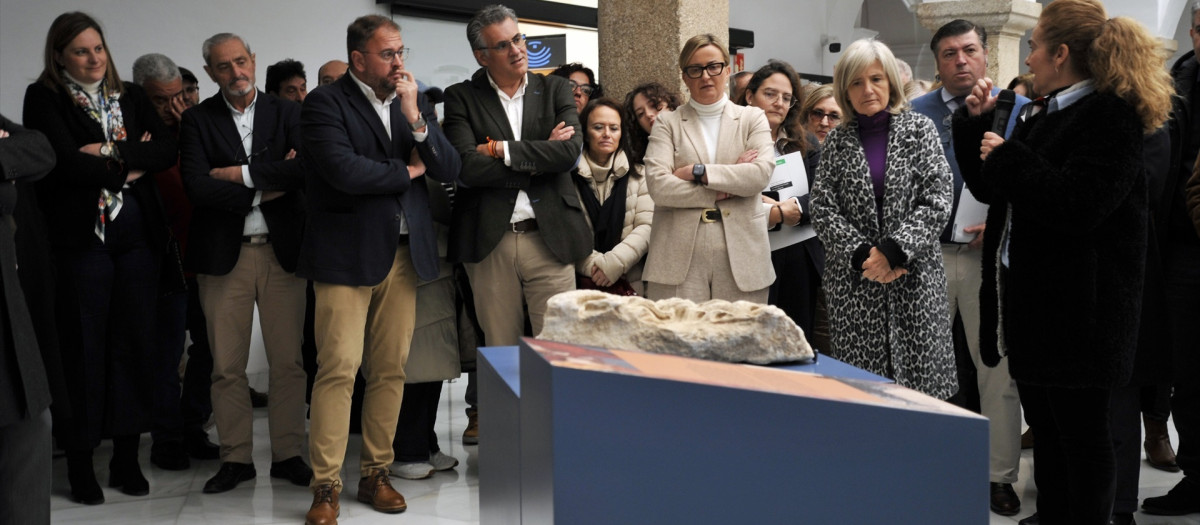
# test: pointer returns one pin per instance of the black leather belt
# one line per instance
(710, 215)
(527, 225)
(256, 239)
(404, 239)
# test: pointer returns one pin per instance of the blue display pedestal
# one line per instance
(624, 437)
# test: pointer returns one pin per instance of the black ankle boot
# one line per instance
(124, 473)
(84, 487)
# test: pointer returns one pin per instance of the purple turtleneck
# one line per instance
(873, 133)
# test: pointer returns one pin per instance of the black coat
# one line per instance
(1071, 298)
(24, 389)
(208, 138)
(69, 193)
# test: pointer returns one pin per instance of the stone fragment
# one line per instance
(735, 332)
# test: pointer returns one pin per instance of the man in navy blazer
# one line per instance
(237, 163)
(368, 138)
(961, 51)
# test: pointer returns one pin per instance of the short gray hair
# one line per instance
(220, 38)
(1195, 7)
(492, 14)
(156, 67)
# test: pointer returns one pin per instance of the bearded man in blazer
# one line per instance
(368, 138)
(518, 223)
(238, 167)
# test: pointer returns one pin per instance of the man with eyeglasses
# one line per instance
(369, 138)
(237, 159)
(960, 48)
(517, 225)
(582, 81)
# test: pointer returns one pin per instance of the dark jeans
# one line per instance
(107, 296)
(1074, 465)
(169, 338)
(196, 403)
(1183, 307)
(1127, 446)
(415, 438)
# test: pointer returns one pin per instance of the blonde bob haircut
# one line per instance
(695, 43)
(859, 56)
(1119, 54)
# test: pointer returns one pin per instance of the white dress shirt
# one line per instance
(243, 121)
(514, 108)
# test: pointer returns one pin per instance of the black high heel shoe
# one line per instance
(84, 487)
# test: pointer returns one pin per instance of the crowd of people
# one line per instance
(139, 215)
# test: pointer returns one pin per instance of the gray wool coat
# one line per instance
(901, 329)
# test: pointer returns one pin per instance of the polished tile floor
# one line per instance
(448, 498)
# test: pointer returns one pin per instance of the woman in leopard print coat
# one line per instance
(884, 279)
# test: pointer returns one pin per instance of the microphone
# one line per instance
(1004, 106)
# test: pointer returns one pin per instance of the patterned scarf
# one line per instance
(108, 114)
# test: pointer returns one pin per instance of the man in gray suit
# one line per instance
(518, 224)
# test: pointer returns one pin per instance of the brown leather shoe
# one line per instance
(376, 489)
(1004, 499)
(325, 507)
(471, 434)
(1158, 445)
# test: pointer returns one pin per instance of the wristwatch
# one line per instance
(106, 150)
(420, 123)
(698, 173)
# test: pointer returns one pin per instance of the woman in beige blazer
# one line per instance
(706, 164)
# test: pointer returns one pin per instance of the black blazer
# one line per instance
(69, 193)
(209, 139)
(358, 187)
(541, 167)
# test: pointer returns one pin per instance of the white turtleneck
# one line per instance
(710, 122)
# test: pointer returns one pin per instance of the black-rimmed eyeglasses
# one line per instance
(713, 70)
(819, 115)
(502, 46)
(388, 55)
(585, 89)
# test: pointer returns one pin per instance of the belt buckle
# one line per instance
(710, 215)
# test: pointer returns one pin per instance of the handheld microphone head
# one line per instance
(1004, 106)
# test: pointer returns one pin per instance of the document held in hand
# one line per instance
(970, 213)
(789, 180)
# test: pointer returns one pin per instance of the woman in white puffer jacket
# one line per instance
(616, 202)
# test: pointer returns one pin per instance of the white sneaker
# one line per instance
(441, 461)
(417, 470)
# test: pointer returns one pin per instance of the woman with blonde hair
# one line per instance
(820, 112)
(706, 164)
(880, 200)
(1064, 258)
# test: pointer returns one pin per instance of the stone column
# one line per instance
(1006, 22)
(640, 39)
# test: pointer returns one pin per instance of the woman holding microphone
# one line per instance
(1063, 261)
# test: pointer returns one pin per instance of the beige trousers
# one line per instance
(228, 303)
(521, 267)
(998, 397)
(371, 326)
(709, 275)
